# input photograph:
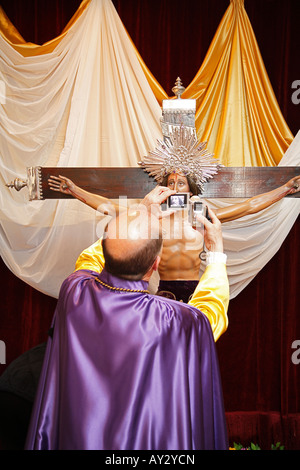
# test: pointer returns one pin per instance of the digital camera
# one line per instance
(178, 201)
(181, 201)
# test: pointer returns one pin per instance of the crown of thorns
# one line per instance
(181, 153)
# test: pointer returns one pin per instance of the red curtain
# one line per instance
(260, 380)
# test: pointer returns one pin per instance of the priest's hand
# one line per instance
(213, 237)
(153, 200)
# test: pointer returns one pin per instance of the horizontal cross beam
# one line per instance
(135, 183)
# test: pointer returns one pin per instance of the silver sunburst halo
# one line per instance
(181, 153)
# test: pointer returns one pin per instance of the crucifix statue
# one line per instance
(181, 164)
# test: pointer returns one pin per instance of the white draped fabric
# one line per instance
(88, 103)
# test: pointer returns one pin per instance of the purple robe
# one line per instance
(127, 371)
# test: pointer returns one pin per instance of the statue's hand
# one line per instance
(61, 184)
(294, 185)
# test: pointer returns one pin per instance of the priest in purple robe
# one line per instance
(126, 370)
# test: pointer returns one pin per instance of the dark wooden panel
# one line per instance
(109, 182)
(234, 182)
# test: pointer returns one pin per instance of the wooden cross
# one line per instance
(135, 183)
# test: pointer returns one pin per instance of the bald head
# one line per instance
(131, 245)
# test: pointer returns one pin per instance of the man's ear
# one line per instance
(156, 263)
(154, 267)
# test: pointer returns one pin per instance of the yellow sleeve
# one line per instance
(92, 258)
(211, 296)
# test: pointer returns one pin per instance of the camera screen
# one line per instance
(178, 201)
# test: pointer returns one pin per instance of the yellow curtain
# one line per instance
(237, 111)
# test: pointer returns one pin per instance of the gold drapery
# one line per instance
(237, 111)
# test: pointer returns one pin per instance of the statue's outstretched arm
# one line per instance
(97, 202)
(258, 203)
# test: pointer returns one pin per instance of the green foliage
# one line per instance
(277, 446)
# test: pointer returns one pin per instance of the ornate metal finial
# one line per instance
(178, 89)
(18, 184)
(33, 183)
